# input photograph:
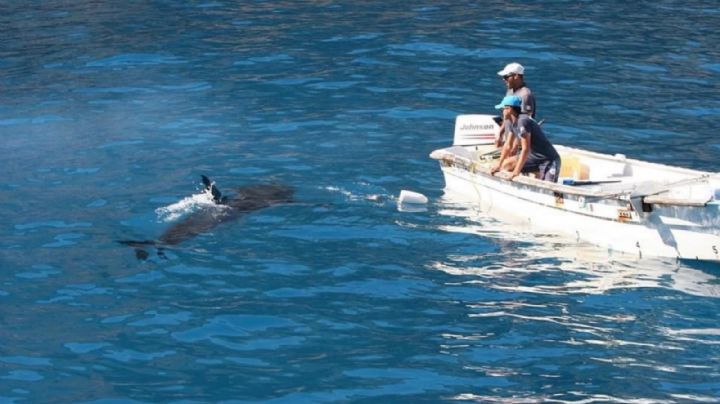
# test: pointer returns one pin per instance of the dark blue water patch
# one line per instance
(23, 375)
(85, 347)
(715, 68)
(294, 81)
(336, 85)
(135, 59)
(200, 271)
(703, 389)
(26, 361)
(38, 120)
(146, 277)
(368, 61)
(135, 356)
(697, 111)
(73, 293)
(162, 319)
(187, 87)
(386, 289)
(405, 113)
(232, 326)
(38, 271)
(122, 143)
(188, 123)
(59, 224)
(653, 69)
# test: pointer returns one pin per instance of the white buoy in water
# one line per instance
(412, 197)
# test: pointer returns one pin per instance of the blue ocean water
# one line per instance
(111, 111)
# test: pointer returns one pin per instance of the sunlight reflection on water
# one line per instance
(588, 269)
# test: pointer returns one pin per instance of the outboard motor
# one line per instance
(476, 129)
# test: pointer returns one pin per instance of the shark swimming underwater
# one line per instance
(245, 200)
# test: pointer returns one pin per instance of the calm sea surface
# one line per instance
(111, 111)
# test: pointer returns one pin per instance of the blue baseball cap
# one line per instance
(509, 101)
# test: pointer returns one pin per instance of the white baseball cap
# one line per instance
(512, 68)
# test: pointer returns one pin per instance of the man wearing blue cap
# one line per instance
(536, 154)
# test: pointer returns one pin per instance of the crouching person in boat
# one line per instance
(537, 154)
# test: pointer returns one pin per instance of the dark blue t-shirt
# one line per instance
(540, 147)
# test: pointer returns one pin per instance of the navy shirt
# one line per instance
(540, 147)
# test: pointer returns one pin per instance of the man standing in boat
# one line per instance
(537, 154)
(514, 76)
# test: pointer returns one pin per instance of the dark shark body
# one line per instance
(245, 200)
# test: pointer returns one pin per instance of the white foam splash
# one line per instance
(185, 206)
(342, 191)
(357, 196)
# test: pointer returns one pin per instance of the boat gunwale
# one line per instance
(563, 209)
(448, 157)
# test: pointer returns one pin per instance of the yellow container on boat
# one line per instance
(572, 167)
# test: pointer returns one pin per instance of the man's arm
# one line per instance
(525, 143)
(529, 105)
(500, 136)
(507, 148)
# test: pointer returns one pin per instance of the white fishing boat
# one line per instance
(626, 205)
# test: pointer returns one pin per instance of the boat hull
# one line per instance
(683, 232)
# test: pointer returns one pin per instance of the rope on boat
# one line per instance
(473, 168)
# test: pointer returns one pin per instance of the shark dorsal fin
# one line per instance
(217, 195)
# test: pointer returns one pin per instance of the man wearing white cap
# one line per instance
(514, 76)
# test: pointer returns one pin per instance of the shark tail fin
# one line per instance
(138, 243)
(217, 195)
(140, 247)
